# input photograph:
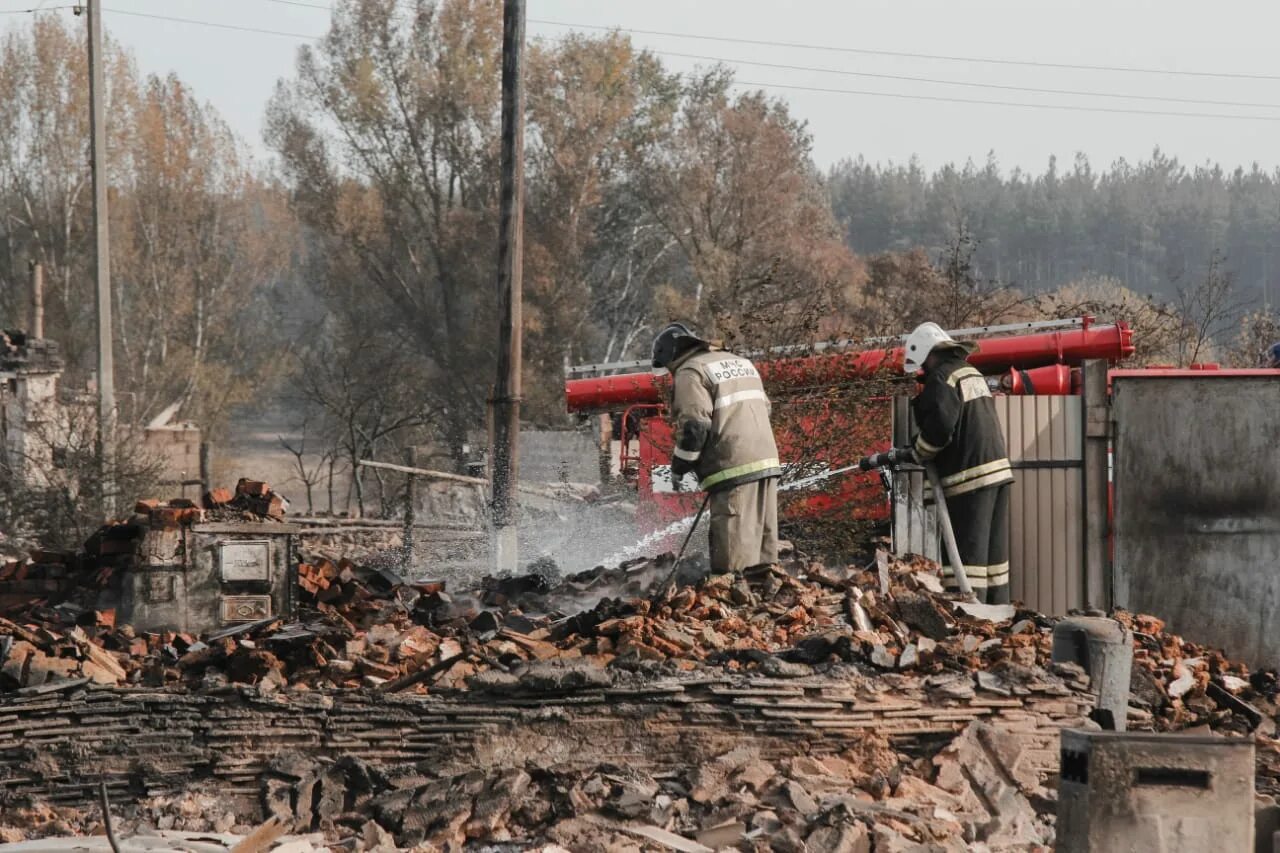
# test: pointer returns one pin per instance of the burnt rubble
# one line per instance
(796, 707)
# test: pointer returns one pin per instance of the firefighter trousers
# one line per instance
(981, 523)
(744, 526)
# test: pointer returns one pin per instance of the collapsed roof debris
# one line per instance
(801, 707)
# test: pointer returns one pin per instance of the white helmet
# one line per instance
(925, 339)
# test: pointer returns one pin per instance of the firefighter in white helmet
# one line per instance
(722, 431)
(959, 433)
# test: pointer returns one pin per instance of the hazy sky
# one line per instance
(236, 71)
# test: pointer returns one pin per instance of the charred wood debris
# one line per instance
(802, 706)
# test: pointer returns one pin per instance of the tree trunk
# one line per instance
(332, 461)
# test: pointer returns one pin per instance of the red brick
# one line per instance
(217, 497)
(252, 488)
(166, 516)
(275, 507)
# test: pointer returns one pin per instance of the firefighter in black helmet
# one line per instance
(722, 430)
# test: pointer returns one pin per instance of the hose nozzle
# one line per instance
(887, 459)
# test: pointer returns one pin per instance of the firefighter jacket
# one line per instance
(721, 418)
(958, 428)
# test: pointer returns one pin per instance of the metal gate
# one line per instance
(1197, 504)
(1045, 440)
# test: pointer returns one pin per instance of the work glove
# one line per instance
(680, 467)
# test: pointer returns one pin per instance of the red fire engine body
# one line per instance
(817, 427)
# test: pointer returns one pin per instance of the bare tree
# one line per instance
(54, 494)
(1207, 309)
(966, 298)
(369, 403)
(310, 474)
(387, 136)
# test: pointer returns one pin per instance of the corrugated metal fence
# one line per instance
(1044, 437)
(1045, 441)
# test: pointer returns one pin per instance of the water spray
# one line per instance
(685, 544)
(690, 522)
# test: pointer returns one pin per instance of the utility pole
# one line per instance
(37, 300)
(504, 420)
(102, 258)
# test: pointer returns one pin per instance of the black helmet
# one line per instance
(671, 342)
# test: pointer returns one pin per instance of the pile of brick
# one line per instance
(371, 629)
(252, 500)
(41, 575)
(799, 707)
(51, 578)
(562, 751)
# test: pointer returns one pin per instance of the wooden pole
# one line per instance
(505, 405)
(425, 472)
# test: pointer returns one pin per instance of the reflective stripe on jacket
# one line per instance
(721, 415)
(959, 430)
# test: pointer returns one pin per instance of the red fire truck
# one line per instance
(832, 405)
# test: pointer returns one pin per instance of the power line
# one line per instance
(902, 54)
(866, 93)
(941, 82)
(235, 27)
(39, 8)
(1127, 69)
(302, 5)
(1067, 107)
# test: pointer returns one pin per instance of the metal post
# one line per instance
(102, 260)
(505, 405)
(37, 300)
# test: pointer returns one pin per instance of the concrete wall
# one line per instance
(32, 422)
(1197, 507)
(177, 448)
(558, 456)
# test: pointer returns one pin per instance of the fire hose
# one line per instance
(894, 457)
(888, 459)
